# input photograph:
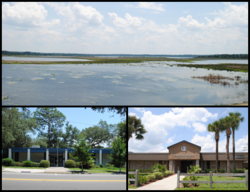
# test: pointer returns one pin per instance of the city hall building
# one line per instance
(35, 154)
(183, 154)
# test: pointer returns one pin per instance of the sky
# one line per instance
(126, 27)
(168, 126)
(84, 118)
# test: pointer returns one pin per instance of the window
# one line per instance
(219, 164)
(208, 164)
(160, 162)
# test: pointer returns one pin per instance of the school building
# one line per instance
(183, 154)
(35, 154)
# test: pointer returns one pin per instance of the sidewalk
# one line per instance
(59, 170)
(169, 183)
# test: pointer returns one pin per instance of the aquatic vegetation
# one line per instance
(12, 82)
(37, 79)
(76, 77)
(45, 74)
(53, 78)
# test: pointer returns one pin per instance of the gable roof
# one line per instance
(183, 141)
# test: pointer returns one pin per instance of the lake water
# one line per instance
(41, 59)
(147, 83)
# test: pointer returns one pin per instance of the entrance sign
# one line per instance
(184, 148)
(184, 156)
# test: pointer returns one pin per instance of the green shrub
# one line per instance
(185, 179)
(44, 163)
(151, 177)
(142, 179)
(7, 162)
(158, 168)
(222, 171)
(208, 170)
(70, 164)
(107, 165)
(128, 182)
(214, 171)
(19, 164)
(240, 170)
(34, 164)
(158, 175)
(96, 166)
(101, 165)
(27, 163)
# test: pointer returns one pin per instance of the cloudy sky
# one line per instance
(126, 27)
(167, 126)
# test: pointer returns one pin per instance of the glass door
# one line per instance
(52, 162)
(55, 161)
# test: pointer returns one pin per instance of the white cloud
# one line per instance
(150, 5)
(170, 140)
(125, 23)
(242, 144)
(206, 143)
(26, 14)
(142, 110)
(199, 127)
(190, 23)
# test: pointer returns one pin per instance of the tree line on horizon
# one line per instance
(225, 56)
(48, 122)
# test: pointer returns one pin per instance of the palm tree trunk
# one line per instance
(216, 155)
(233, 152)
(228, 161)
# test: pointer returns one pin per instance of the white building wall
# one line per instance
(105, 159)
(36, 157)
(22, 156)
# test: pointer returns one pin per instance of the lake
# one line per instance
(41, 59)
(147, 83)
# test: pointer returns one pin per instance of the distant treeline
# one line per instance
(92, 55)
(225, 56)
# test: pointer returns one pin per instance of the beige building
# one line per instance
(183, 154)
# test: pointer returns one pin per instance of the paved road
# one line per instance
(44, 181)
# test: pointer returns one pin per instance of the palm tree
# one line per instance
(135, 126)
(236, 119)
(216, 128)
(226, 124)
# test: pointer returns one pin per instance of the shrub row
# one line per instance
(27, 163)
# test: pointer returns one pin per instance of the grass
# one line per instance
(99, 60)
(20, 167)
(221, 66)
(99, 170)
(218, 186)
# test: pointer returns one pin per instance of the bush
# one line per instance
(214, 171)
(151, 177)
(96, 166)
(128, 182)
(158, 168)
(208, 170)
(34, 164)
(44, 163)
(7, 161)
(70, 164)
(101, 165)
(222, 170)
(158, 175)
(142, 179)
(18, 164)
(107, 165)
(27, 163)
(237, 171)
(185, 179)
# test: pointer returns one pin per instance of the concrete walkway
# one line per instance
(169, 183)
(59, 170)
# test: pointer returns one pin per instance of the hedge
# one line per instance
(158, 175)
(151, 177)
(222, 170)
(70, 164)
(27, 163)
(18, 164)
(7, 162)
(44, 163)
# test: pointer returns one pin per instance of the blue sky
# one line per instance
(126, 27)
(167, 126)
(83, 118)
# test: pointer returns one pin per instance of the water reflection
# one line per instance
(94, 84)
(41, 59)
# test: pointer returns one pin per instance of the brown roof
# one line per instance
(184, 141)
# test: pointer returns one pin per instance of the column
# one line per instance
(66, 155)
(28, 154)
(100, 157)
(47, 154)
(170, 165)
(197, 162)
(10, 153)
(174, 166)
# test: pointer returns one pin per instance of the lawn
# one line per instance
(218, 186)
(20, 167)
(100, 170)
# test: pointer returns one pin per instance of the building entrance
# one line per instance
(185, 164)
(53, 160)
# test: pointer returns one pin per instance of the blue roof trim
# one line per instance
(54, 150)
